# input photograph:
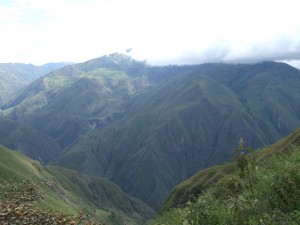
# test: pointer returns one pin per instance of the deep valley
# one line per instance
(116, 135)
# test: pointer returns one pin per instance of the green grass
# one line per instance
(190, 189)
(126, 121)
(187, 123)
(23, 138)
(275, 198)
(69, 191)
(14, 76)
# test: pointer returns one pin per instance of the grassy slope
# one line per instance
(150, 138)
(89, 102)
(189, 122)
(78, 98)
(69, 191)
(195, 185)
(23, 138)
(14, 76)
(152, 149)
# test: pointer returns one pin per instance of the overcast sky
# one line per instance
(159, 31)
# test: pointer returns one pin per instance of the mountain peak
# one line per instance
(115, 61)
(118, 56)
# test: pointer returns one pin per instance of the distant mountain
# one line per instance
(256, 188)
(149, 128)
(31, 142)
(14, 76)
(69, 191)
(191, 122)
(77, 98)
(202, 180)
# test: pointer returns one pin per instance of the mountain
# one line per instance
(78, 98)
(195, 185)
(268, 193)
(149, 128)
(192, 121)
(69, 191)
(31, 142)
(14, 76)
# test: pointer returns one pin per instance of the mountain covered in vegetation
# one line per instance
(27, 140)
(149, 128)
(14, 76)
(69, 192)
(263, 188)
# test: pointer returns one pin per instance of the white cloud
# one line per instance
(294, 63)
(163, 32)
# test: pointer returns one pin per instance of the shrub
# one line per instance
(266, 194)
(17, 206)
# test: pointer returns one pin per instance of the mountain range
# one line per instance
(148, 128)
(259, 187)
(191, 188)
(27, 140)
(14, 76)
(69, 191)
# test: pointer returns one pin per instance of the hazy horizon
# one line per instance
(160, 32)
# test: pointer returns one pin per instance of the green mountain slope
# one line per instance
(167, 143)
(14, 76)
(269, 90)
(149, 128)
(69, 191)
(31, 142)
(268, 194)
(195, 185)
(173, 129)
(78, 98)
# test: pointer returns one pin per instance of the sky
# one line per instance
(158, 31)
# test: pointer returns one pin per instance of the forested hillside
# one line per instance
(256, 188)
(14, 76)
(62, 190)
(149, 128)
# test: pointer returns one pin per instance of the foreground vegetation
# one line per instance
(17, 206)
(124, 120)
(64, 194)
(255, 193)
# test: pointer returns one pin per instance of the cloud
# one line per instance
(277, 48)
(280, 47)
(162, 32)
(294, 63)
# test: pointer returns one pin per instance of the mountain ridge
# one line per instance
(69, 191)
(31, 142)
(149, 129)
(203, 179)
(14, 76)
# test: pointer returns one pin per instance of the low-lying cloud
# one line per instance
(279, 48)
(159, 31)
